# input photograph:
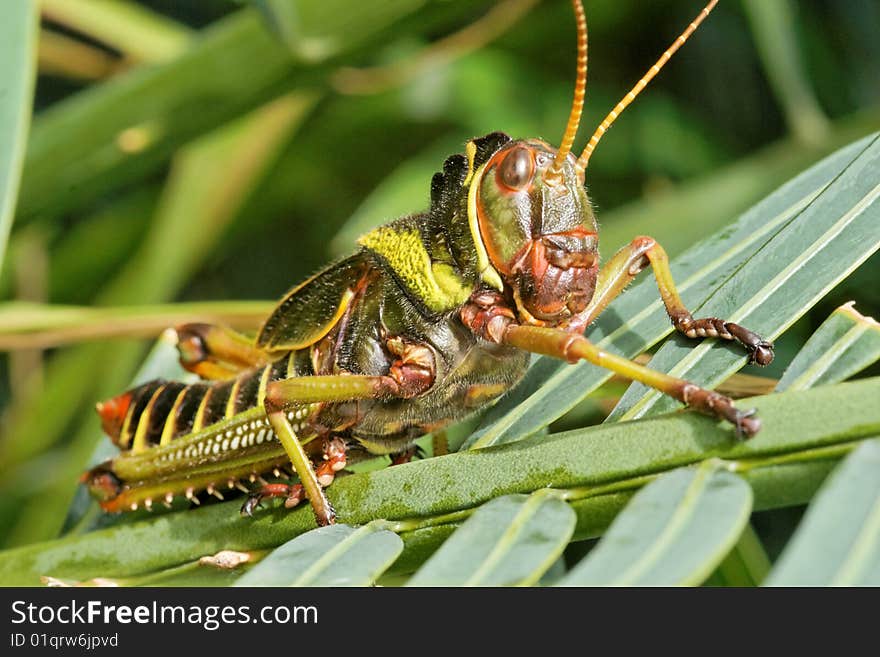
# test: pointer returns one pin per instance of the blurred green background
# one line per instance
(212, 150)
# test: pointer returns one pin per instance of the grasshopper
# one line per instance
(433, 317)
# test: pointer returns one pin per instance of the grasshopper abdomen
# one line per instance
(182, 439)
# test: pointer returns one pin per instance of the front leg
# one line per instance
(632, 259)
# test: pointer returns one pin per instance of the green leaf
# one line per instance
(26, 325)
(600, 467)
(314, 31)
(675, 531)
(18, 29)
(747, 564)
(637, 319)
(113, 134)
(510, 541)
(845, 344)
(838, 541)
(129, 27)
(773, 27)
(338, 555)
(789, 272)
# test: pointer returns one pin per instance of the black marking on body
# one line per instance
(141, 396)
(186, 410)
(160, 409)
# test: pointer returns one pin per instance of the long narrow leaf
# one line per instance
(773, 27)
(110, 135)
(781, 280)
(338, 555)
(129, 27)
(675, 531)
(838, 541)
(18, 31)
(845, 344)
(747, 564)
(26, 325)
(637, 319)
(511, 541)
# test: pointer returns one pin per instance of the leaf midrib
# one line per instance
(507, 539)
(683, 512)
(320, 565)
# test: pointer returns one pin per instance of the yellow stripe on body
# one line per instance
(171, 420)
(125, 431)
(199, 420)
(140, 435)
(233, 394)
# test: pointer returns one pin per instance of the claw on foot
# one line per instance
(747, 425)
(251, 504)
(762, 353)
(329, 518)
(293, 495)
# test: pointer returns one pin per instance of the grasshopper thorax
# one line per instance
(539, 233)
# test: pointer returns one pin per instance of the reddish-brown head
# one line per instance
(540, 236)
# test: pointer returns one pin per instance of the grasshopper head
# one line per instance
(539, 232)
(534, 216)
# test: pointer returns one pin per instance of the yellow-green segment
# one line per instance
(437, 285)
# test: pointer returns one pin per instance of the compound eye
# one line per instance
(517, 169)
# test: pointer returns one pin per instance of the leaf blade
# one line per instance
(18, 29)
(838, 541)
(129, 27)
(845, 343)
(675, 531)
(336, 555)
(111, 135)
(509, 541)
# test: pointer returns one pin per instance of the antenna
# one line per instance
(584, 159)
(554, 173)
